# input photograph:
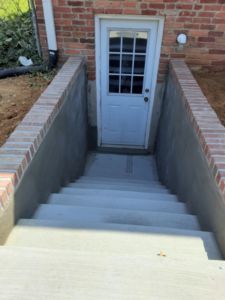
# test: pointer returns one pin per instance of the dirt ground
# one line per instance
(213, 87)
(17, 95)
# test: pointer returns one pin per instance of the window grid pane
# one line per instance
(127, 74)
(127, 63)
(125, 84)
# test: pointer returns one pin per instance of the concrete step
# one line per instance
(116, 181)
(108, 239)
(184, 238)
(116, 193)
(124, 164)
(100, 172)
(118, 202)
(107, 186)
(103, 241)
(59, 274)
(105, 215)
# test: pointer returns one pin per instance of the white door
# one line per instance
(127, 61)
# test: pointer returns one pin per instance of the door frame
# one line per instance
(98, 19)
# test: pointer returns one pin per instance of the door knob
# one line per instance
(146, 99)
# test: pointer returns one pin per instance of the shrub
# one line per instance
(10, 8)
(16, 37)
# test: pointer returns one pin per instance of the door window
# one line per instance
(127, 58)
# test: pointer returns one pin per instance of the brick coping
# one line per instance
(206, 124)
(22, 145)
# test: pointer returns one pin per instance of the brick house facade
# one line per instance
(203, 21)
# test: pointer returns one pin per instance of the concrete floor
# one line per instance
(141, 167)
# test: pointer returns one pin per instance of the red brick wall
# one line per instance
(202, 20)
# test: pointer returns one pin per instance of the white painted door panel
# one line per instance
(127, 60)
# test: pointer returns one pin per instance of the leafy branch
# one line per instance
(16, 33)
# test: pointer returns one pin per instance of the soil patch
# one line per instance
(213, 87)
(17, 95)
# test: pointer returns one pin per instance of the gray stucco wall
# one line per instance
(156, 111)
(59, 159)
(183, 167)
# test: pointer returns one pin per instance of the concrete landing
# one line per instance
(66, 275)
(121, 166)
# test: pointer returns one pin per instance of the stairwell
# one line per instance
(115, 233)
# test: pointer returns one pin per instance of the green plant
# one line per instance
(37, 78)
(13, 8)
(16, 35)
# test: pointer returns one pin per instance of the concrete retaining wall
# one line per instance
(191, 150)
(47, 150)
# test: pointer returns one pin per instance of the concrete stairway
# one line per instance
(116, 233)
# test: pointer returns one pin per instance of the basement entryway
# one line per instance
(127, 55)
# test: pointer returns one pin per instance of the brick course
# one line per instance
(207, 126)
(20, 148)
(202, 20)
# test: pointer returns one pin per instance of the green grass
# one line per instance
(9, 8)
